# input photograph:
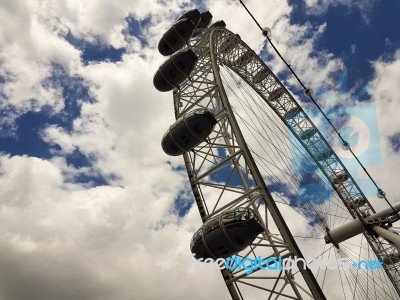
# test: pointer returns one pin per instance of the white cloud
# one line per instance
(318, 7)
(28, 49)
(104, 236)
(231, 12)
(95, 243)
(384, 92)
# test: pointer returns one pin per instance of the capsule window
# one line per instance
(181, 65)
(174, 41)
(239, 240)
(185, 139)
(171, 74)
(198, 131)
(174, 147)
(236, 225)
(164, 82)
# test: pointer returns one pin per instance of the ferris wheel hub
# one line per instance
(374, 224)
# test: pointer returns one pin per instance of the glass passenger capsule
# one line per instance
(205, 19)
(308, 133)
(179, 34)
(357, 202)
(338, 177)
(323, 155)
(218, 24)
(194, 15)
(188, 132)
(176, 37)
(226, 234)
(292, 113)
(175, 70)
(260, 76)
(276, 94)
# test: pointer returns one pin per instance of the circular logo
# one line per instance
(356, 133)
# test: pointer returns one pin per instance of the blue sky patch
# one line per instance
(90, 180)
(136, 28)
(29, 126)
(395, 141)
(27, 140)
(182, 206)
(349, 37)
(78, 159)
(95, 52)
(74, 91)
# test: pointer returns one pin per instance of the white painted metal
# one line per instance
(226, 147)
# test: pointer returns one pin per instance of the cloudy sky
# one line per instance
(88, 200)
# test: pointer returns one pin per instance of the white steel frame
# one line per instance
(227, 149)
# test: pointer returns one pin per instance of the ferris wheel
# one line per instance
(267, 184)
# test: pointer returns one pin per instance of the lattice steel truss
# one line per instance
(225, 157)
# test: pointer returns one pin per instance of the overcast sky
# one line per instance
(88, 200)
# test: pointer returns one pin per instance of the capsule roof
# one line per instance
(205, 20)
(176, 37)
(179, 34)
(193, 15)
(219, 23)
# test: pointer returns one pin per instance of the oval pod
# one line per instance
(188, 132)
(205, 19)
(218, 24)
(193, 15)
(175, 70)
(339, 177)
(179, 34)
(176, 37)
(226, 234)
(307, 133)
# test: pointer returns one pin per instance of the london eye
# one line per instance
(265, 180)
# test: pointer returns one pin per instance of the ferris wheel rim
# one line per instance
(251, 53)
(216, 71)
